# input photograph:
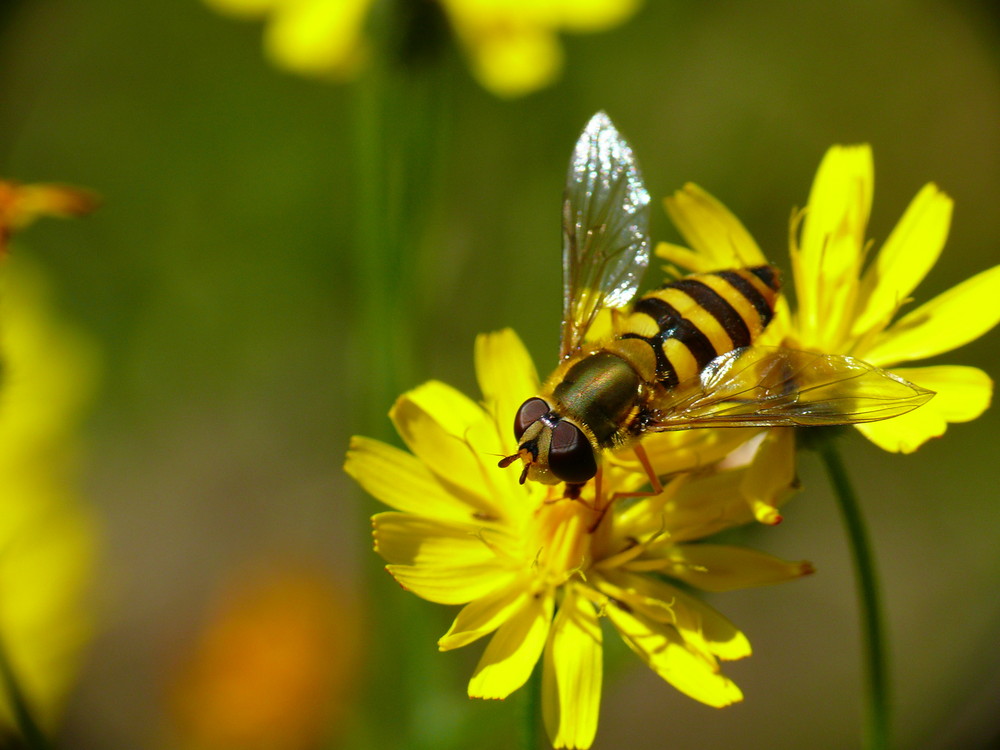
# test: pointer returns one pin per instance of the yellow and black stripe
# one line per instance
(690, 322)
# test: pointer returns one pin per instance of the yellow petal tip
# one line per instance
(766, 514)
(486, 697)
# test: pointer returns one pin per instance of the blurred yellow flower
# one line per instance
(21, 205)
(512, 45)
(537, 571)
(848, 303)
(274, 667)
(310, 37)
(47, 537)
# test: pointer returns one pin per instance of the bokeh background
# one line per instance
(221, 287)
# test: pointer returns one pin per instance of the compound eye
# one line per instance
(530, 412)
(571, 457)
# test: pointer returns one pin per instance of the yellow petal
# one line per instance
(663, 650)
(47, 574)
(704, 629)
(401, 481)
(316, 37)
(409, 539)
(514, 61)
(780, 327)
(770, 478)
(839, 205)
(718, 237)
(456, 584)
(49, 372)
(572, 673)
(681, 260)
(484, 615)
(679, 451)
(245, 8)
(507, 377)
(827, 261)
(910, 252)
(700, 507)
(453, 436)
(594, 15)
(50, 541)
(513, 651)
(963, 313)
(961, 394)
(447, 563)
(720, 567)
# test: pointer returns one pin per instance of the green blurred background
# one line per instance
(220, 282)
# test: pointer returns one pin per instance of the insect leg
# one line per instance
(654, 481)
(647, 466)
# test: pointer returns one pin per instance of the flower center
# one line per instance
(562, 540)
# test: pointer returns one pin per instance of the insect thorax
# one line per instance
(601, 391)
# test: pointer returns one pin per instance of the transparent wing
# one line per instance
(605, 229)
(773, 387)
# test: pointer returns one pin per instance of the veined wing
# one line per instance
(774, 387)
(605, 229)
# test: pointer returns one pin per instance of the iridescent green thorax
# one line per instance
(599, 391)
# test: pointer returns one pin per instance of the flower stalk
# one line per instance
(396, 108)
(874, 645)
(532, 711)
(399, 111)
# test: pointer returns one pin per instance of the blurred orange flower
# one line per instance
(21, 205)
(273, 667)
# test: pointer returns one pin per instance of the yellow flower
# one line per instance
(47, 538)
(848, 304)
(536, 571)
(512, 45)
(21, 205)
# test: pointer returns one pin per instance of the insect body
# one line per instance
(683, 355)
(605, 395)
(688, 323)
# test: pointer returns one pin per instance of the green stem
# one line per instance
(396, 131)
(373, 254)
(870, 610)
(400, 116)
(30, 732)
(532, 710)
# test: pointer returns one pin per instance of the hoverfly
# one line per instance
(682, 357)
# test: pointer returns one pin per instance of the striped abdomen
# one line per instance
(690, 322)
